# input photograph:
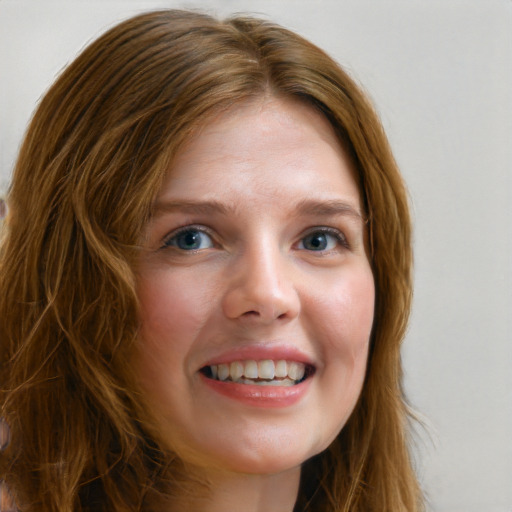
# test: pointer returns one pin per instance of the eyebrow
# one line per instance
(320, 208)
(202, 207)
(327, 208)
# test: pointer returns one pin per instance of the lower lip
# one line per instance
(259, 396)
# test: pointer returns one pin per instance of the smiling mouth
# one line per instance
(266, 372)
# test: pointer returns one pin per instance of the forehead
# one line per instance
(260, 150)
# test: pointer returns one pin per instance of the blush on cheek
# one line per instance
(348, 317)
(166, 312)
(362, 304)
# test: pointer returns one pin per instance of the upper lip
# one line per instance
(260, 353)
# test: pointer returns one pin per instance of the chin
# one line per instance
(255, 457)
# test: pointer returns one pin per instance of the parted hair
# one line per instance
(92, 161)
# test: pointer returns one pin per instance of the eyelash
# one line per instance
(333, 232)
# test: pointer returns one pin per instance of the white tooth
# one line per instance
(251, 370)
(236, 370)
(266, 369)
(281, 369)
(223, 371)
(213, 369)
(296, 370)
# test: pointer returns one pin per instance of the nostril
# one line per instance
(251, 313)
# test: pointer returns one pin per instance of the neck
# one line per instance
(227, 491)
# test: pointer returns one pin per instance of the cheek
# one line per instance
(344, 313)
(171, 313)
(340, 320)
(172, 308)
(342, 323)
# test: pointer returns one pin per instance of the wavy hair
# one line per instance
(91, 164)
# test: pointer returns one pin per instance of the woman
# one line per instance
(206, 279)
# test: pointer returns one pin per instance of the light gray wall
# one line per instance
(440, 73)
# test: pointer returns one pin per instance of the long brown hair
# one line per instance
(92, 161)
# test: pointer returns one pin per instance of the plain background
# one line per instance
(440, 75)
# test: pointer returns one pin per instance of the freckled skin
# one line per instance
(253, 282)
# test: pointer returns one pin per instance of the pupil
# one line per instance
(189, 240)
(317, 242)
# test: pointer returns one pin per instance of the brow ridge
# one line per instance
(329, 207)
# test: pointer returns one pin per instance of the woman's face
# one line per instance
(256, 293)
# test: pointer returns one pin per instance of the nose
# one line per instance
(261, 288)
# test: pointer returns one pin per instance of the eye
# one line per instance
(325, 239)
(190, 239)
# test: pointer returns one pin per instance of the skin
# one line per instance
(255, 280)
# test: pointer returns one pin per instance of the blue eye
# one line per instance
(190, 239)
(322, 240)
